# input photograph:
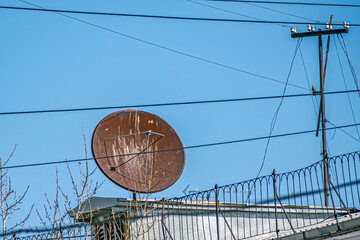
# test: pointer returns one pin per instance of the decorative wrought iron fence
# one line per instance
(257, 208)
(76, 231)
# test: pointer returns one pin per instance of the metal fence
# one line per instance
(76, 231)
(257, 208)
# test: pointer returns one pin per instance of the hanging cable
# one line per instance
(274, 119)
(291, 3)
(308, 83)
(281, 12)
(41, 9)
(343, 46)
(170, 104)
(356, 125)
(254, 20)
(235, 13)
(224, 10)
(348, 96)
(79, 160)
(164, 47)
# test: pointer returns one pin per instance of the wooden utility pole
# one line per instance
(322, 68)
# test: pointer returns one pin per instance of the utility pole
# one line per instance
(322, 67)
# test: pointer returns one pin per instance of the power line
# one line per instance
(231, 12)
(165, 48)
(308, 82)
(276, 114)
(348, 96)
(171, 103)
(285, 13)
(292, 3)
(166, 17)
(343, 46)
(345, 131)
(175, 149)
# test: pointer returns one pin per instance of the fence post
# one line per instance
(163, 221)
(162, 217)
(217, 211)
(275, 194)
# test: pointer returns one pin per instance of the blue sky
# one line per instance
(49, 61)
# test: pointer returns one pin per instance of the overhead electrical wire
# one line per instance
(327, 120)
(352, 70)
(291, 3)
(302, 57)
(171, 103)
(285, 13)
(343, 46)
(276, 114)
(166, 48)
(231, 12)
(308, 83)
(269, 9)
(40, 9)
(175, 149)
(79, 160)
(274, 10)
(346, 87)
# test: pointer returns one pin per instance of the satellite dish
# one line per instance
(130, 148)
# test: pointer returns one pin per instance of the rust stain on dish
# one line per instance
(127, 146)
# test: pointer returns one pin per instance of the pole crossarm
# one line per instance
(319, 33)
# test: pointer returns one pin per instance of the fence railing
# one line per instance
(72, 231)
(257, 208)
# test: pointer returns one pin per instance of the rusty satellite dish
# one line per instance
(130, 147)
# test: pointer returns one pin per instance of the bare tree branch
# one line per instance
(10, 201)
(60, 211)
